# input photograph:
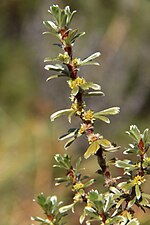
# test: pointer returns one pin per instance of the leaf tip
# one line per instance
(51, 119)
(46, 67)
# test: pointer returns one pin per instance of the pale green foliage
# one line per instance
(115, 206)
(51, 206)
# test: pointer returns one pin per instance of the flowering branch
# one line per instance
(115, 206)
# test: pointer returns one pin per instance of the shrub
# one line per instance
(116, 204)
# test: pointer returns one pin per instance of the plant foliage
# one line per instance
(116, 205)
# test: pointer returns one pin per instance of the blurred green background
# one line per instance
(120, 30)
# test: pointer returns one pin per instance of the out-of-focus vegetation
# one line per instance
(120, 31)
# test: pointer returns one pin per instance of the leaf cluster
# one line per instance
(50, 206)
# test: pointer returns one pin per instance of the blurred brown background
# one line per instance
(120, 30)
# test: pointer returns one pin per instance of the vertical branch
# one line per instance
(104, 167)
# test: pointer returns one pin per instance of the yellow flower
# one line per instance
(88, 116)
(147, 160)
(77, 82)
(65, 58)
(78, 109)
(138, 180)
(76, 61)
(78, 186)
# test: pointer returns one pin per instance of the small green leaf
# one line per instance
(123, 163)
(94, 93)
(70, 116)
(145, 135)
(133, 222)
(91, 85)
(60, 180)
(80, 34)
(55, 12)
(71, 133)
(112, 149)
(86, 86)
(72, 36)
(46, 32)
(117, 220)
(75, 90)
(110, 111)
(120, 203)
(103, 118)
(53, 199)
(68, 143)
(92, 149)
(69, 14)
(90, 211)
(93, 195)
(82, 218)
(38, 219)
(90, 64)
(137, 191)
(129, 151)
(55, 76)
(63, 69)
(63, 19)
(66, 208)
(58, 68)
(144, 201)
(131, 203)
(91, 57)
(109, 202)
(95, 86)
(104, 142)
(41, 199)
(89, 183)
(134, 133)
(63, 161)
(115, 190)
(126, 186)
(51, 26)
(48, 59)
(60, 113)
(146, 195)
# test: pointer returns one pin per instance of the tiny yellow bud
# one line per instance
(64, 58)
(75, 60)
(78, 186)
(138, 180)
(77, 82)
(88, 116)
